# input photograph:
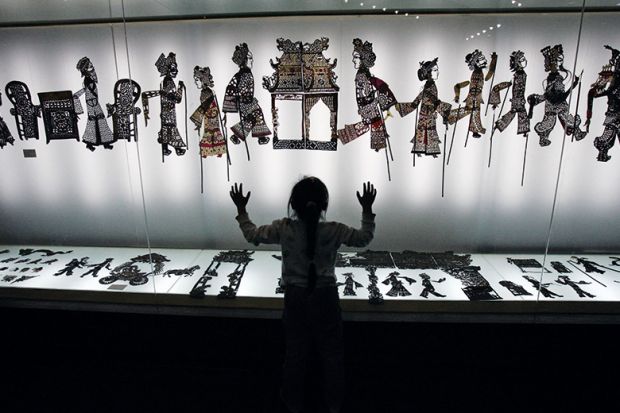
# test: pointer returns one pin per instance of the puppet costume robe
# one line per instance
(556, 107)
(207, 115)
(373, 96)
(473, 103)
(517, 107)
(5, 134)
(239, 98)
(426, 140)
(170, 96)
(612, 120)
(97, 131)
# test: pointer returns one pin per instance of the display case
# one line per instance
(488, 129)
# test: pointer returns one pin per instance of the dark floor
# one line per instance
(64, 361)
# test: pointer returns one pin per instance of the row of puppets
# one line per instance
(302, 73)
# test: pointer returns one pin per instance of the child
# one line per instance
(311, 304)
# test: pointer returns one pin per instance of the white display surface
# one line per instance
(68, 195)
(262, 274)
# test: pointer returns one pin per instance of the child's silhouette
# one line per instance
(311, 304)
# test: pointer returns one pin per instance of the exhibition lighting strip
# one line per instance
(491, 28)
(384, 9)
(484, 31)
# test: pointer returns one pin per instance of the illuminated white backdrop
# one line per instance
(68, 195)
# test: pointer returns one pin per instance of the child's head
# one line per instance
(309, 198)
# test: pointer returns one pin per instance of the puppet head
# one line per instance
(167, 65)
(202, 76)
(614, 61)
(517, 60)
(363, 52)
(554, 57)
(242, 55)
(428, 70)
(476, 60)
(86, 68)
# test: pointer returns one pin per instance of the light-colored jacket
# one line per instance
(291, 235)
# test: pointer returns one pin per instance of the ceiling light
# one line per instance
(396, 12)
(499, 25)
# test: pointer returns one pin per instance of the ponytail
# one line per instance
(311, 219)
(309, 198)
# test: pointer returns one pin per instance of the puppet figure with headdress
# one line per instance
(97, 131)
(170, 96)
(373, 97)
(5, 134)
(426, 140)
(207, 115)
(607, 84)
(239, 98)
(518, 62)
(476, 62)
(556, 106)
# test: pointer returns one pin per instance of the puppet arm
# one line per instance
(457, 90)
(145, 103)
(492, 67)
(495, 98)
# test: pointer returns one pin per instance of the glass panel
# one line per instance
(585, 228)
(491, 195)
(485, 209)
(73, 181)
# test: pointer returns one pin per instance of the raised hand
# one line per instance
(236, 194)
(367, 198)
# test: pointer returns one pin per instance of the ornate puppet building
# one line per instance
(607, 84)
(426, 140)
(304, 74)
(240, 99)
(97, 131)
(25, 112)
(473, 102)
(555, 95)
(170, 96)
(124, 112)
(5, 134)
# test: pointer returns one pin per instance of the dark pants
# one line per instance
(312, 320)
